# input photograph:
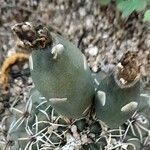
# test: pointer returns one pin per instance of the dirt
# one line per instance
(100, 32)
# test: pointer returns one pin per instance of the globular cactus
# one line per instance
(20, 123)
(138, 126)
(29, 125)
(132, 143)
(59, 71)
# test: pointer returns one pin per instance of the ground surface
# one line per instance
(98, 31)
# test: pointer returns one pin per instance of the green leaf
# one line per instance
(148, 2)
(104, 2)
(128, 6)
(140, 5)
(147, 15)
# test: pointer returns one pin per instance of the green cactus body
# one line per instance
(136, 144)
(65, 81)
(18, 124)
(113, 104)
(145, 104)
(133, 143)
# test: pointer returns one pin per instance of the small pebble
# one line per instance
(92, 50)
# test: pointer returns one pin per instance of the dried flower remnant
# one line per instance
(30, 36)
(127, 72)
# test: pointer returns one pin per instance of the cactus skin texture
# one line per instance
(145, 104)
(65, 81)
(113, 104)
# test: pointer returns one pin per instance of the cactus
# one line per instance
(60, 73)
(63, 81)
(138, 126)
(29, 125)
(114, 105)
(136, 144)
(21, 120)
(118, 93)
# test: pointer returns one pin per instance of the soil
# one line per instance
(100, 32)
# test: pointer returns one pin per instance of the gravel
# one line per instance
(98, 31)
